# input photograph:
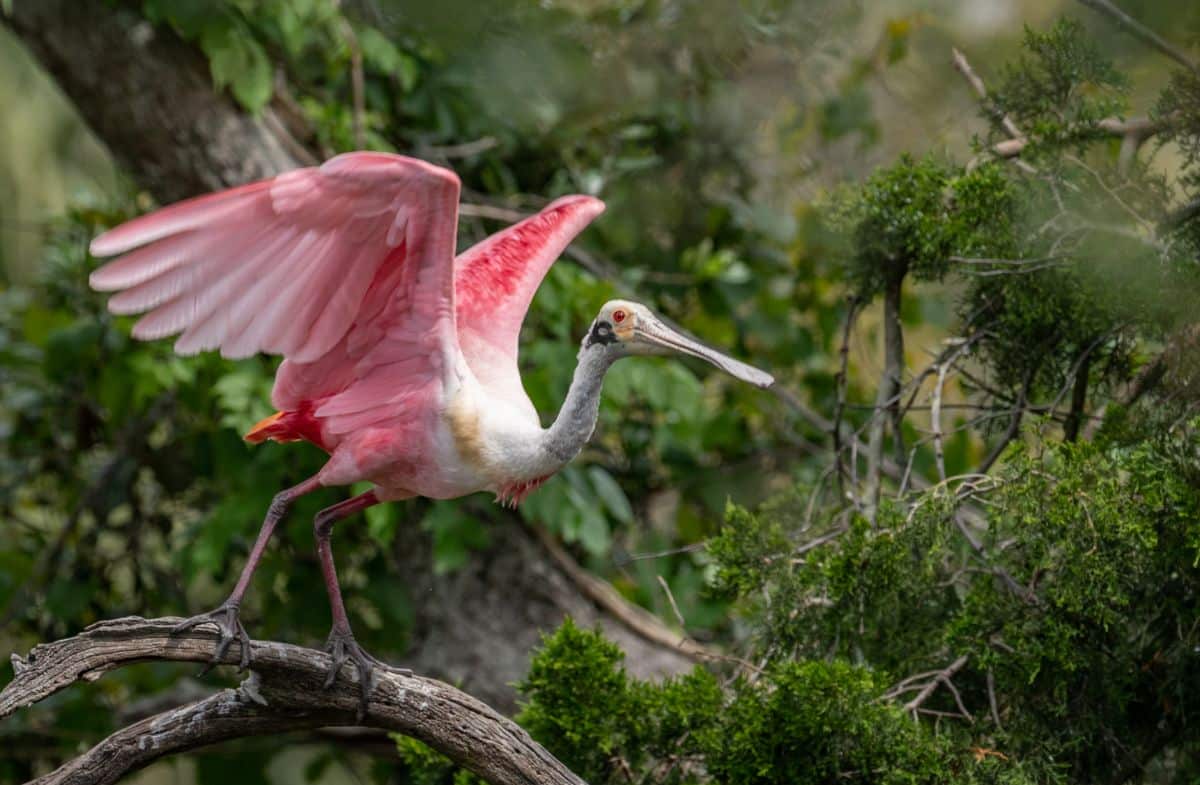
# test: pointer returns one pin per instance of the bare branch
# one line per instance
(634, 617)
(1014, 424)
(992, 703)
(935, 421)
(1140, 31)
(1078, 399)
(925, 684)
(854, 305)
(284, 693)
(1133, 132)
(463, 150)
(964, 68)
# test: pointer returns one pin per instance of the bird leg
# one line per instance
(225, 615)
(341, 643)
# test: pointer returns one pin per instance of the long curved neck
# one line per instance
(577, 418)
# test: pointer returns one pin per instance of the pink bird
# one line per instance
(400, 358)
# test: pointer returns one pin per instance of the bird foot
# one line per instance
(227, 621)
(342, 646)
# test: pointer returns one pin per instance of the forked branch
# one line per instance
(284, 693)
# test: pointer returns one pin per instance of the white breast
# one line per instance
(495, 441)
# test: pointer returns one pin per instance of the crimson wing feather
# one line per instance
(496, 279)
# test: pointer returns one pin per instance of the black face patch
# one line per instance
(602, 333)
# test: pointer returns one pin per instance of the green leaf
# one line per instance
(455, 535)
(381, 54)
(382, 520)
(611, 494)
(236, 60)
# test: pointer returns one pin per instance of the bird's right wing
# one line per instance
(495, 281)
(287, 265)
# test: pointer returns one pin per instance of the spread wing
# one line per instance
(495, 282)
(287, 265)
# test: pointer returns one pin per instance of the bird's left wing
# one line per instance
(285, 265)
(495, 281)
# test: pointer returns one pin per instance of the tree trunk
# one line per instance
(148, 95)
(887, 398)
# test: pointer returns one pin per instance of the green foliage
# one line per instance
(912, 217)
(1091, 563)
(608, 727)
(1059, 91)
(809, 722)
(1078, 609)
(819, 722)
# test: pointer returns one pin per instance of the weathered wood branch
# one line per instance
(283, 693)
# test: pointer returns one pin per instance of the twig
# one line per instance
(818, 542)
(939, 677)
(841, 379)
(1014, 423)
(463, 150)
(357, 88)
(973, 79)
(1138, 30)
(283, 694)
(635, 618)
(995, 709)
(628, 558)
(671, 599)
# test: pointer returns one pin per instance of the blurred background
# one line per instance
(722, 135)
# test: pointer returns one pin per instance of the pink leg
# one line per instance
(341, 643)
(225, 616)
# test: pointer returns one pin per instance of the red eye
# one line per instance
(618, 316)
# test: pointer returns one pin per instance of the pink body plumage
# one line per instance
(348, 270)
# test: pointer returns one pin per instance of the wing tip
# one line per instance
(99, 281)
(103, 245)
(588, 206)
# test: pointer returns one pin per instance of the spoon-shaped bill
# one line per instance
(659, 335)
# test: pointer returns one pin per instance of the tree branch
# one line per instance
(1132, 132)
(1140, 31)
(284, 693)
(888, 396)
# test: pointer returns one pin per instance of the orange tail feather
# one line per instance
(266, 428)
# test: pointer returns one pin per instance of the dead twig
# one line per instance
(925, 690)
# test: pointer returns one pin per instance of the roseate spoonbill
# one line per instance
(400, 359)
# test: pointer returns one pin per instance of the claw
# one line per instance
(342, 646)
(225, 618)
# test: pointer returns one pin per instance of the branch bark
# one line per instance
(283, 693)
(148, 95)
(888, 397)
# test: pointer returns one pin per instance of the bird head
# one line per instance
(624, 328)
